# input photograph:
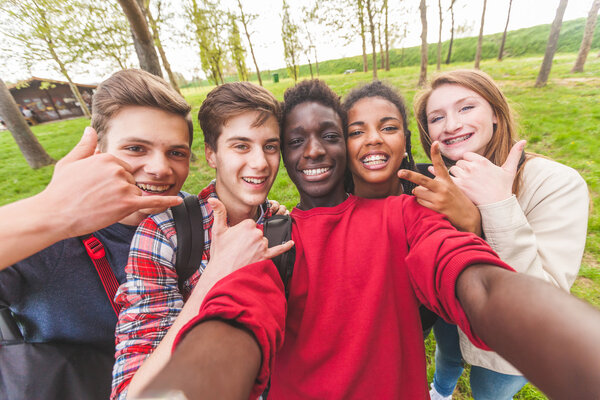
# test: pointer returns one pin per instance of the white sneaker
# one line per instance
(436, 396)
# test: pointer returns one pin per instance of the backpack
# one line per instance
(58, 370)
(190, 241)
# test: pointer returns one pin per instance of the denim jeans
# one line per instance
(485, 384)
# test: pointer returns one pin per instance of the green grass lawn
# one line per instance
(561, 121)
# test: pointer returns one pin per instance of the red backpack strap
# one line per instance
(97, 254)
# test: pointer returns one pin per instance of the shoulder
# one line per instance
(543, 173)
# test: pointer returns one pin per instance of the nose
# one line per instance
(453, 122)
(314, 149)
(258, 160)
(373, 137)
(158, 165)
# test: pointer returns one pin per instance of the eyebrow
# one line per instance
(248, 140)
(456, 102)
(148, 142)
(384, 119)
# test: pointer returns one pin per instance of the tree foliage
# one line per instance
(238, 53)
(47, 30)
(208, 25)
(291, 41)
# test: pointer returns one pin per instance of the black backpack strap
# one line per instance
(9, 330)
(189, 227)
(278, 230)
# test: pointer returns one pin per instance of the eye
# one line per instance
(241, 147)
(272, 148)
(295, 142)
(435, 119)
(134, 148)
(178, 154)
(331, 136)
(467, 108)
(390, 129)
(355, 133)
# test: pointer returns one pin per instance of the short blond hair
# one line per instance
(134, 87)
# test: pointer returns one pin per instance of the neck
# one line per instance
(378, 190)
(235, 215)
(134, 219)
(306, 202)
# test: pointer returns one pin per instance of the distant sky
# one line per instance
(266, 34)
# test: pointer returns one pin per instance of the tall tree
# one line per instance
(370, 8)
(46, 30)
(551, 47)
(387, 35)
(423, 73)
(291, 42)
(238, 53)
(208, 25)
(588, 34)
(480, 39)
(439, 46)
(501, 51)
(245, 19)
(451, 8)
(30, 147)
(363, 32)
(145, 43)
(309, 19)
(154, 26)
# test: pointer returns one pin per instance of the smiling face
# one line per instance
(376, 147)
(314, 154)
(460, 119)
(246, 161)
(155, 144)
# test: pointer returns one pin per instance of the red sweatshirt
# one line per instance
(353, 330)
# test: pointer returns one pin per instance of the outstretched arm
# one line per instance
(87, 192)
(549, 335)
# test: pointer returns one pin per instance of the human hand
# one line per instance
(237, 246)
(443, 195)
(278, 209)
(91, 191)
(482, 181)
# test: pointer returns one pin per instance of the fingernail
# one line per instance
(87, 131)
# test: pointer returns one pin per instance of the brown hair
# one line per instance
(230, 100)
(505, 135)
(134, 87)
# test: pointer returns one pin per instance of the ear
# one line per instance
(495, 119)
(211, 156)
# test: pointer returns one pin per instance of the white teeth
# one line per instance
(458, 139)
(374, 159)
(152, 188)
(315, 171)
(255, 180)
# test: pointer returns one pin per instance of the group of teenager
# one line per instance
(374, 240)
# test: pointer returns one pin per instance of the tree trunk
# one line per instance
(145, 44)
(361, 21)
(439, 48)
(244, 23)
(387, 37)
(501, 52)
(372, 29)
(316, 61)
(449, 56)
(480, 39)
(423, 74)
(588, 34)
(381, 52)
(552, 43)
(311, 70)
(158, 44)
(30, 147)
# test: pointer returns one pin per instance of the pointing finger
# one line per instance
(279, 249)
(439, 167)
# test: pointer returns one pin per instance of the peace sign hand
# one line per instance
(442, 195)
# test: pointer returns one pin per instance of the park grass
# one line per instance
(561, 121)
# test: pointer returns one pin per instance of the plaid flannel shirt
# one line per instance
(150, 298)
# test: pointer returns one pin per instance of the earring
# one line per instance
(405, 154)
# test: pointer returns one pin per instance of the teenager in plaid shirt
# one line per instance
(240, 122)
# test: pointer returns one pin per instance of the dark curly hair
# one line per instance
(386, 92)
(313, 90)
